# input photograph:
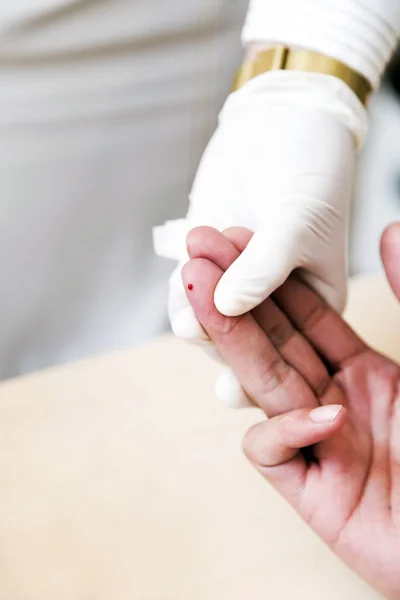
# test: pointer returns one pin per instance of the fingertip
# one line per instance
(200, 277)
(391, 234)
(390, 242)
(200, 274)
(192, 272)
(250, 442)
(197, 237)
(239, 236)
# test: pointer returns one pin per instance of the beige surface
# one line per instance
(122, 478)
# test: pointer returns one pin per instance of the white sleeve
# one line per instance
(360, 33)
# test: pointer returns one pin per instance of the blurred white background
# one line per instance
(377, 193)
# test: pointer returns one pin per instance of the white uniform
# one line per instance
(105, 109)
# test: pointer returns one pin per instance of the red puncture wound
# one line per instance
(190, 287)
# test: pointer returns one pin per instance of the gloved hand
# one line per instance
(281, 164)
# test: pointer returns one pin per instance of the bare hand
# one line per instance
(331, 445)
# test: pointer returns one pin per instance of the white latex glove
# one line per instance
(283, 167)
(286, 173)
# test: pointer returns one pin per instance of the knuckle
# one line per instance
(315, 315)
(280, 333)
(286, 424)
(286, 421)
(275, 376)
(228, 325)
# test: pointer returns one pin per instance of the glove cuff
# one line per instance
(310, 90)
(169, 240)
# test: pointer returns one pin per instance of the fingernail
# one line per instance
(325, 414)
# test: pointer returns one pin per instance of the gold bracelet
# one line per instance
(281, 58)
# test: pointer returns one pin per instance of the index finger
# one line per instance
(264, 375)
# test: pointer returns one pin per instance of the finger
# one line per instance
(263, 266)
(390, 252)
(273, 447)
(205, 242)
(279, 439)
(328, 333)
(183, 320)
(261, 370)
(292, 346)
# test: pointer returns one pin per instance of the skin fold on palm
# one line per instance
(322, 389)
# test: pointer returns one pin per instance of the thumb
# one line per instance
(263, 266)
(273, 448)
(390, 252)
